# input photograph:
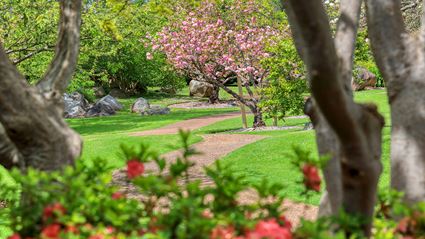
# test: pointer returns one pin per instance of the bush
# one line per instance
(284, 93)
(82, 202)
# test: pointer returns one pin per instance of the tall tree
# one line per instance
(35, 133)
(400, 57)
(355, 128)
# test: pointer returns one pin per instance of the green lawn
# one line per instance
(271, 158)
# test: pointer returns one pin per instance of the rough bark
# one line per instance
(401, 59)
(214, 97)
(9, 155)
(357, 127)
(252, 104)
(258, 116)
(33, 116)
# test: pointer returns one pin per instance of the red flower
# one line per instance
(311, 177)
(55, 209)
(117, 195)
(14, 236)
(134, 168)
(72, 229)
(51, 231)
(269, 229)
(286, 223)
(222, 232)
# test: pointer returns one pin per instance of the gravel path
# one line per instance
(213, 147)
(190, 124)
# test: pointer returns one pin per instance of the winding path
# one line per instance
(212, 148)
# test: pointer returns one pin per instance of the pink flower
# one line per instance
(269, 229)
(149, 56)
(134, 168)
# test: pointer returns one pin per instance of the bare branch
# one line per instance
(345, 39)
(64, 63)
(31, 54)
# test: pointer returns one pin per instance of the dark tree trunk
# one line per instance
(214, 98)
(35, 133)
(258, 116)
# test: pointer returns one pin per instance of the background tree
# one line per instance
(286, 84)
(216, 45)
(32, 116)
(353, 131)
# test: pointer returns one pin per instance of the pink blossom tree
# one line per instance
(217, 45)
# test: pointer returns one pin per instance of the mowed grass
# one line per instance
(271, 157)
(103, 136)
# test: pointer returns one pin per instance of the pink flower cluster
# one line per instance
(209, 45)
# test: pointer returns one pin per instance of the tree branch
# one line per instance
(345, 39)
(31, 54)
(388, 36)
(64, 63)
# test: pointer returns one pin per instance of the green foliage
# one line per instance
(286, 82)
(82, 203)
(111, 53)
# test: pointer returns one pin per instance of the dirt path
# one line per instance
(190, 124)
(213, 147)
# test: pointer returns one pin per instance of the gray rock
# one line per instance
(118, 93)
(200, 89)
(75, 105)
(156, 110)
(362, 79)
(99, 91)
(308, 126)
(109, 100)
(100, 110)
(140, 105)
(108, 105)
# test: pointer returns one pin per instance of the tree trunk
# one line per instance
(258, 115)
(32, 116)
(357, 127)
(400, 58)
(214, 97)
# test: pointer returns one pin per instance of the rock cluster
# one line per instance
(76, 106)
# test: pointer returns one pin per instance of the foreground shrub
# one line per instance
(82, 202)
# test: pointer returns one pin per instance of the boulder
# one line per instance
(308, 126)
(118, 93)
(104, 107)
(75, 105)
(362, 79)
(200, 89)
(156, 110)
(99, 91)
(140, 105)
(100, 110)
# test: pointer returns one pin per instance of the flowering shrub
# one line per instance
(81, 202)
(218, 43)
